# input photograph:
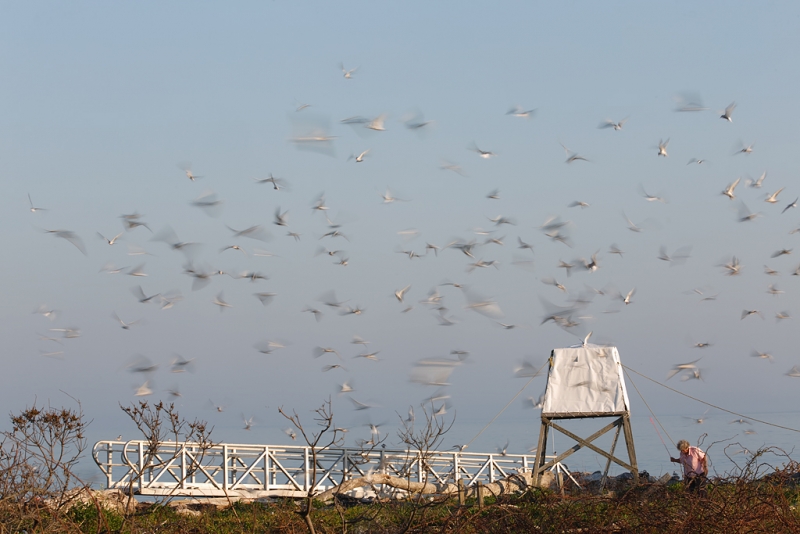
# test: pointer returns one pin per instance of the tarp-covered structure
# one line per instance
(585, 382)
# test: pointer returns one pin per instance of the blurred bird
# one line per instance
(209, 202)
(187, 169)
(265, 298)
(377, 123)
(679, 257)
(763, 356)
(400, 293)
(368, 356)
(528, 369)
(32, 207)
(733, 267)
(591, 264)
(689, 102)
(745, 214)
(700, 420)
(248, 423)
(651, 198)
(773, 198)
(773, 290)
(348, 74)
(124, 325)
(143, 390)
(448, 166)
(277, 183)
(416, 121)
(535, 403)
(168, 236)
(268, 347)
(728, 112)
(137, 271)
(518, 111)
(180, 364)
(233, 247)
(662, 148)
(142, 364)
(485, 154)
(632, 227)
(253, 276)
(319, 351)
(502, 451)
(111, 241)
(132, 220)
(44, 311)
(69, 332)
(388, 197)
(317, 314)
(728, 191)
(257, 232)
(627, 298)
(572, 156)
(219, 301)
(680, 367)
(608, 123)
(360, 157)
(70, 236)
(524, 245)
(756, 184)
(360, 405)
(280, 218)
(139, 294)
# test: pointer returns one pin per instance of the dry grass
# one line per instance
(732, 505)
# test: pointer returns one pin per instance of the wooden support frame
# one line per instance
(622, 422)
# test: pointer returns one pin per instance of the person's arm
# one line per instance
(705, 464)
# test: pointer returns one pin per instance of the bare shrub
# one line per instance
(325, 437)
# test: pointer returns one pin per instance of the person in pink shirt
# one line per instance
(695, 466)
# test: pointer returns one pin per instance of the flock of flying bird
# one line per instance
(249, 243)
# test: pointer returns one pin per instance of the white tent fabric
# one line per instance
(585, 380)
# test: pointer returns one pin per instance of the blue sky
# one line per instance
(100, 105)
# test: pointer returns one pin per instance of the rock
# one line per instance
(111, 499)
(597, 476)
(188, 512)
(220, 503)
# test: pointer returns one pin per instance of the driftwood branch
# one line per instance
(513, 484)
